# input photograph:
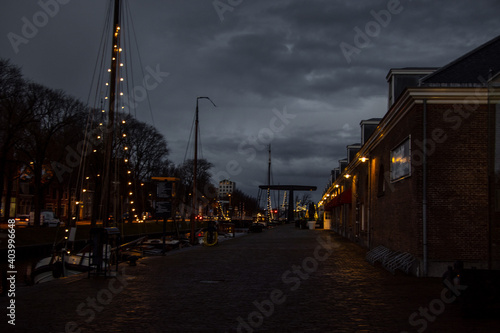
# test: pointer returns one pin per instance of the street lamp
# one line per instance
(363, 159)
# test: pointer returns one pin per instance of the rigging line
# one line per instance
(128, 61)
(141, 64)
(124, 74)
(100, 68)
(109, 26)
(200, 143)
(103, 38)
(90, 118)
(84, 156)
(84, 152)
(189, 139)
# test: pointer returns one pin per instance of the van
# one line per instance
(47, 219)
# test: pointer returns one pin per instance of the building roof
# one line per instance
(471, 69)
(371, 120)
(411, 71)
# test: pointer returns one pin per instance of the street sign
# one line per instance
(164, 209)
(164, 190)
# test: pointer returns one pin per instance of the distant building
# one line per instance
(226, 187)
(426, 181)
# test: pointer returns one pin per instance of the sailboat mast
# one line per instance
(195, 170)
(269, 169)
(115, 63)
(269, 187)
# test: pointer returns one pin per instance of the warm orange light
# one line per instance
(363, 159)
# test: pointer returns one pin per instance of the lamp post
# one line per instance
(195, 169)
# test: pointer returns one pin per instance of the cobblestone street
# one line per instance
(281, 280)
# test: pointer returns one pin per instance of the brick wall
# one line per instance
(397, 211)
(458, 183)
(460, 223)
(457, 192)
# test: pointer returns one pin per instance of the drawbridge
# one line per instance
(291, 189)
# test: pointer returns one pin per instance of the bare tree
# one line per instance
(53, 111)
(244, 202)
(14, 116)
(205, 189)
(146, 148)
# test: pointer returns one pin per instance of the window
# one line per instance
(401, 161)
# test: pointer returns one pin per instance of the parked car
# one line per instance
(22, 220)
(47, 219)
(256, 227)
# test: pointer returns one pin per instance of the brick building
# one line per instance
(426, 181)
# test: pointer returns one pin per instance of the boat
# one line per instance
(94, 257)
(98, 256)
(51, 268)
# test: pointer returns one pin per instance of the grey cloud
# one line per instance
(265, 55)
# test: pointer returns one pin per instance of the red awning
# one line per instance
(330, 204)
(346, 197)
(343, 198)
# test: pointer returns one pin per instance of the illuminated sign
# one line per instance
(401, 161)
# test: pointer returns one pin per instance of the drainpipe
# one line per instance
(424, 188)
(369, 202)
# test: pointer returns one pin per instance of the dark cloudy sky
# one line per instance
(297, 74)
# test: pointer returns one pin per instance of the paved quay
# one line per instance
(281, 280)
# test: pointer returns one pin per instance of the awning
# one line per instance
(330, 204)
(343, 198)
(346, 197)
